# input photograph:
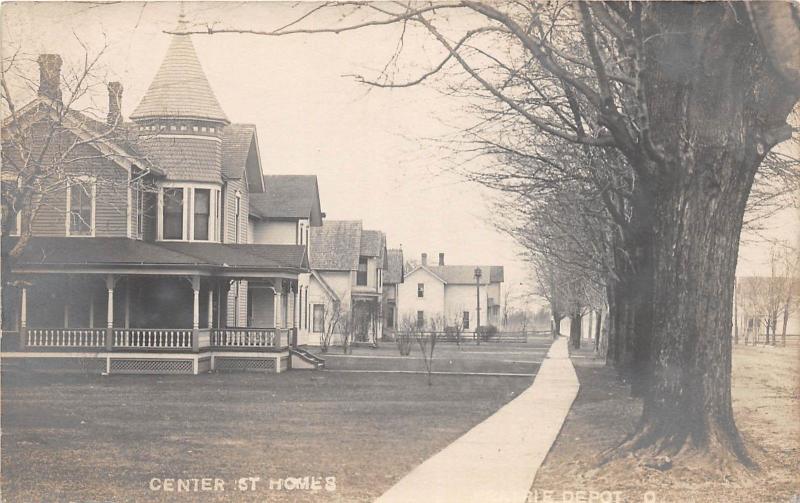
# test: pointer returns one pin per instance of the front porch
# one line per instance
(151, 320)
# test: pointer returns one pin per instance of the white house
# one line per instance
(283, 214)
(429, 292)
(347, 265)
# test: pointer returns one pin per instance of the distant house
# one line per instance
(347, 266)
(393, 278)
(430, 292)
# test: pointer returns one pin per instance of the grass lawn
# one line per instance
(74, 437)
(766, 388)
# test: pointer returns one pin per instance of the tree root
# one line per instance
(653, 445)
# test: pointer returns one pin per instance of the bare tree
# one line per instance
(623, 78)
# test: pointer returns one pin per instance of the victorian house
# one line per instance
(147, 251)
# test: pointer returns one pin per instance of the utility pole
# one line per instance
(478, 310)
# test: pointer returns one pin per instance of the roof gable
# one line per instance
(335, 245)
(111, 142)
(287, 197)
(240, 155)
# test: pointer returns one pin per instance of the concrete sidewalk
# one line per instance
(497, 460)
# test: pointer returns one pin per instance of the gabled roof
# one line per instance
(335, 245)
(372, 243)
(463, 274)
(180, 88)
(286, 196)
(240, 154)
(394, 268)
(114, 143)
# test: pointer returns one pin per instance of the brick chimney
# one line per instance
(424, 259)
(114, 104)
(441, 258)
(50, 76)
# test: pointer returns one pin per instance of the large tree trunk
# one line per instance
(709, 100)
(575, 326)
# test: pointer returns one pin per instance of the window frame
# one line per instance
(465, 320)
(188, 220)
(420, 318)
(83, 180)
(420, 290)
(362, 276)
(209, 214)
(314, 327)
(162, 213)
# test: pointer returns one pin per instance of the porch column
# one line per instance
(110, 316)
(91, 309)
(276, 311)
(210, 306)
(195, 312)
(293, 306)
(127, 302)
(23, 317)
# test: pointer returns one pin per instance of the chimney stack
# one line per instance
(424, 259)
(50, 76)
(114, 104)
(441, 258)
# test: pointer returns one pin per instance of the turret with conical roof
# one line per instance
(180, 89)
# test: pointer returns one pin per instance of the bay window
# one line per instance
(172, 227)
(190, 213)
(202, 214)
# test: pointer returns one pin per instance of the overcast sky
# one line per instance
(370, 148)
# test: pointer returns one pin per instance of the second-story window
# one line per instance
(361, 275)
(80, 212)
(202, 213)
(173, 213)
(420, 290)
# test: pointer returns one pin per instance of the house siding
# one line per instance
(111, 197)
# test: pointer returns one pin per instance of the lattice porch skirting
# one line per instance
(149, 363)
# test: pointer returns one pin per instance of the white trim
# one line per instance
(130, 205)
(237, 217)
(92, 226)
(188, 211)
(182, 136)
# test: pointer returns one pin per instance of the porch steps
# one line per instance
(302, 359)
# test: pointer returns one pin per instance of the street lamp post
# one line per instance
(478, 297)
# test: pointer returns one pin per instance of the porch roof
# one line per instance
(103, 253)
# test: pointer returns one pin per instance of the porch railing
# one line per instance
(249, 337)
(152, 338)
(66, 337)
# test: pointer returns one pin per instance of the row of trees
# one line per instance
(627, 137)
